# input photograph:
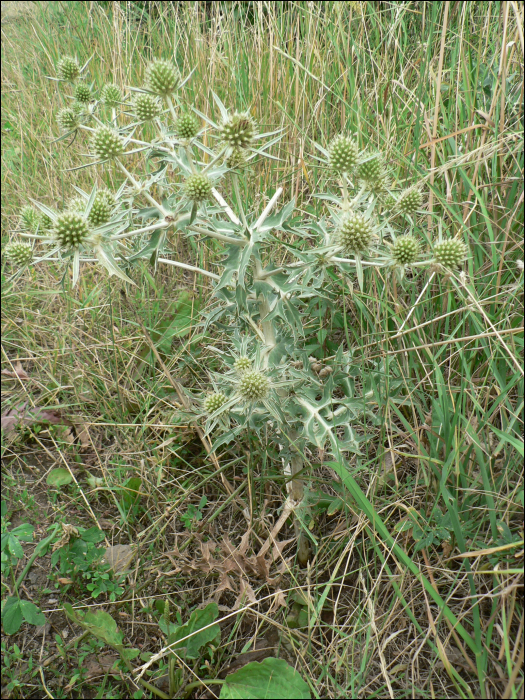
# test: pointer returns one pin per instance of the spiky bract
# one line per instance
(409, 201)
(405, 250)
(29, 219)
(68, 119)
(18, 253)
(214, 401)
(146, 107)
(111, 95)
(68, 69)
(106, 143)
(450, 253)
(162, 78)
(239, 130)
(82, 93)
(186, 126)
(242, 364)
(197, 187)
(344, 153)
(253, 386)
(354, 233)
(71, 229)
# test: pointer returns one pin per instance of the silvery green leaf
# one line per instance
(76, 266)
(90, 201)
(206, 119)
(46, 210)
(222, 108)
(106, 259)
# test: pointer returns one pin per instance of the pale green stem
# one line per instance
(235, 180)
(260, 221)
(152, 227)
(139, 189)
(344, 188)
(218, 236)
(352, 262)
(172, 108)
(176, 263)
(190, 158)
(214, 160)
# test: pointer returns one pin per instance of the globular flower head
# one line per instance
(405, 250)
(372, 170)
(409, 201)
(253, 386)
(146, 107)
(197, 187)
(389, 202)
(46, 222)
(186, 126)
(68, 69)
(111, 95)
(71, 229)
(214, 401)
(242, 364)
(162, 78)
(77, 204)
(82, 93)
(239, 130)
(29, 219)
(450, 253)
(354, 233)
(102, 208)
(18, 253)
(68, 119)
(106, 143)
(237, 158)
(344, 153)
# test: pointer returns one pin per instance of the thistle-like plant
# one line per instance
(267, 383)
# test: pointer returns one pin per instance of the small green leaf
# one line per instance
(32, 613)
(273, 678)
(59, 477)
(199, 619)
(12, 615)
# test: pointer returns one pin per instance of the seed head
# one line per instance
(344, 153)
(389, 203)
(82, 93)
(354, 233)
(253, 386)
(371, 171)
(405, 250)
(111, 95)
(409, 201)
(450, 253)
(18, 253)
(29, 219)
(186, 126)
(106, 143)
(68, 69)
(146, 107)
(162, 78)
(239, 130)
(102, 208)
(214, 401)
(67, 119)
(237, 158)
(71, 229)
(197, 187)
(242, 364)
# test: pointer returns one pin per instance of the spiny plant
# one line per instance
(269, 383)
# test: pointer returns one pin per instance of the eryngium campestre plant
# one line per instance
(450, 253)
(253, 386)
(146, 107)
(242, 364)
(18, 253)
(106, 143)
(214, 401)
(162, 78)
(82, 93)
(409, 200)
(197, 187)
(405, 250)
(29, 219)
(344, 153)
(68, 69)
(371, 171)
(354, 233)
(237, 158)
(186, 126)
(71, 229)
(111, 95)
(68, 119)
(238, 131)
